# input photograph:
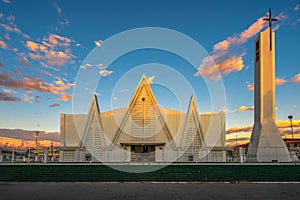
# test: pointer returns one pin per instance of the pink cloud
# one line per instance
(296, 78)
(85, 66)
(220, 61)
(6, 1)
(297, 7)
(53, 50)
(3, 44)
(223, 65)
(105, 73)
(250, 86)
(280, 81)
(222, 46)
(29, 84)
(224, 62)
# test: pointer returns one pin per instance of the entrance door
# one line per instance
(143, 153)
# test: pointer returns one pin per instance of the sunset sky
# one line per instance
(43, 45)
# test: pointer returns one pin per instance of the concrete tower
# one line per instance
(266, 144)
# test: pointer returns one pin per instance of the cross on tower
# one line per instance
(270, 19)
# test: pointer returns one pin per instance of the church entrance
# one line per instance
(142, 153)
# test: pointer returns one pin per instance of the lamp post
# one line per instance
(291, 120)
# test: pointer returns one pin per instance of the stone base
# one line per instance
(266, 144)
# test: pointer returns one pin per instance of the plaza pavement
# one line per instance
(146, 191)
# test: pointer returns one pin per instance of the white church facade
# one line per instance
(143, 132)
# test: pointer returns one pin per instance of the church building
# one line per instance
(143, 132)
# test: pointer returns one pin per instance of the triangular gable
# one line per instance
(93, 134)
(193, 117)
(142, 93)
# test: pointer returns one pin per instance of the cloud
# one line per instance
(24, 61)
(243, 108)
(10, 18)
(289, 132)
(241, 38)
(287, 123)
(65, 97)
(222, 111)
(249, 33)
(225, 62)
(31, 99)
(85, 66)
(53, 105)
(225, 65)
(32, 46)
(281, 17)
(57, 40)
(239, 129)
(8, 97)
(296, 78)
(223, 59)
(3, 44)
(58, 9)
(53, 50)
(281, 124)
(57, 58)
(25, 144)
(10, 27)
(250, 86)
(150, 79)
(105, 73)
(35, 56)
(234, 141)
(62, 18)
(6, 1)
(29, 84)
(297, 7)
(98, 43)
(29, 135)
(280, 81)
(47, 73)
(222, 46)
(101, 66)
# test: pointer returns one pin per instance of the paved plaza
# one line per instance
(153, 191)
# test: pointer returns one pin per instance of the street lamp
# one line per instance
(291, 120)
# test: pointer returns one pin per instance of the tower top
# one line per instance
(270, 20)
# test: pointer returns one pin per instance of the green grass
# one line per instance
(189, 173)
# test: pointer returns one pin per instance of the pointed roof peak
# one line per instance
(94, 102)
(193, 97)
(143, 77)
(193, 104)
(95, 97)
(143, 84)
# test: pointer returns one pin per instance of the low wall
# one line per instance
(207, 172)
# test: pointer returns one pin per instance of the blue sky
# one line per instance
(43, 45)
